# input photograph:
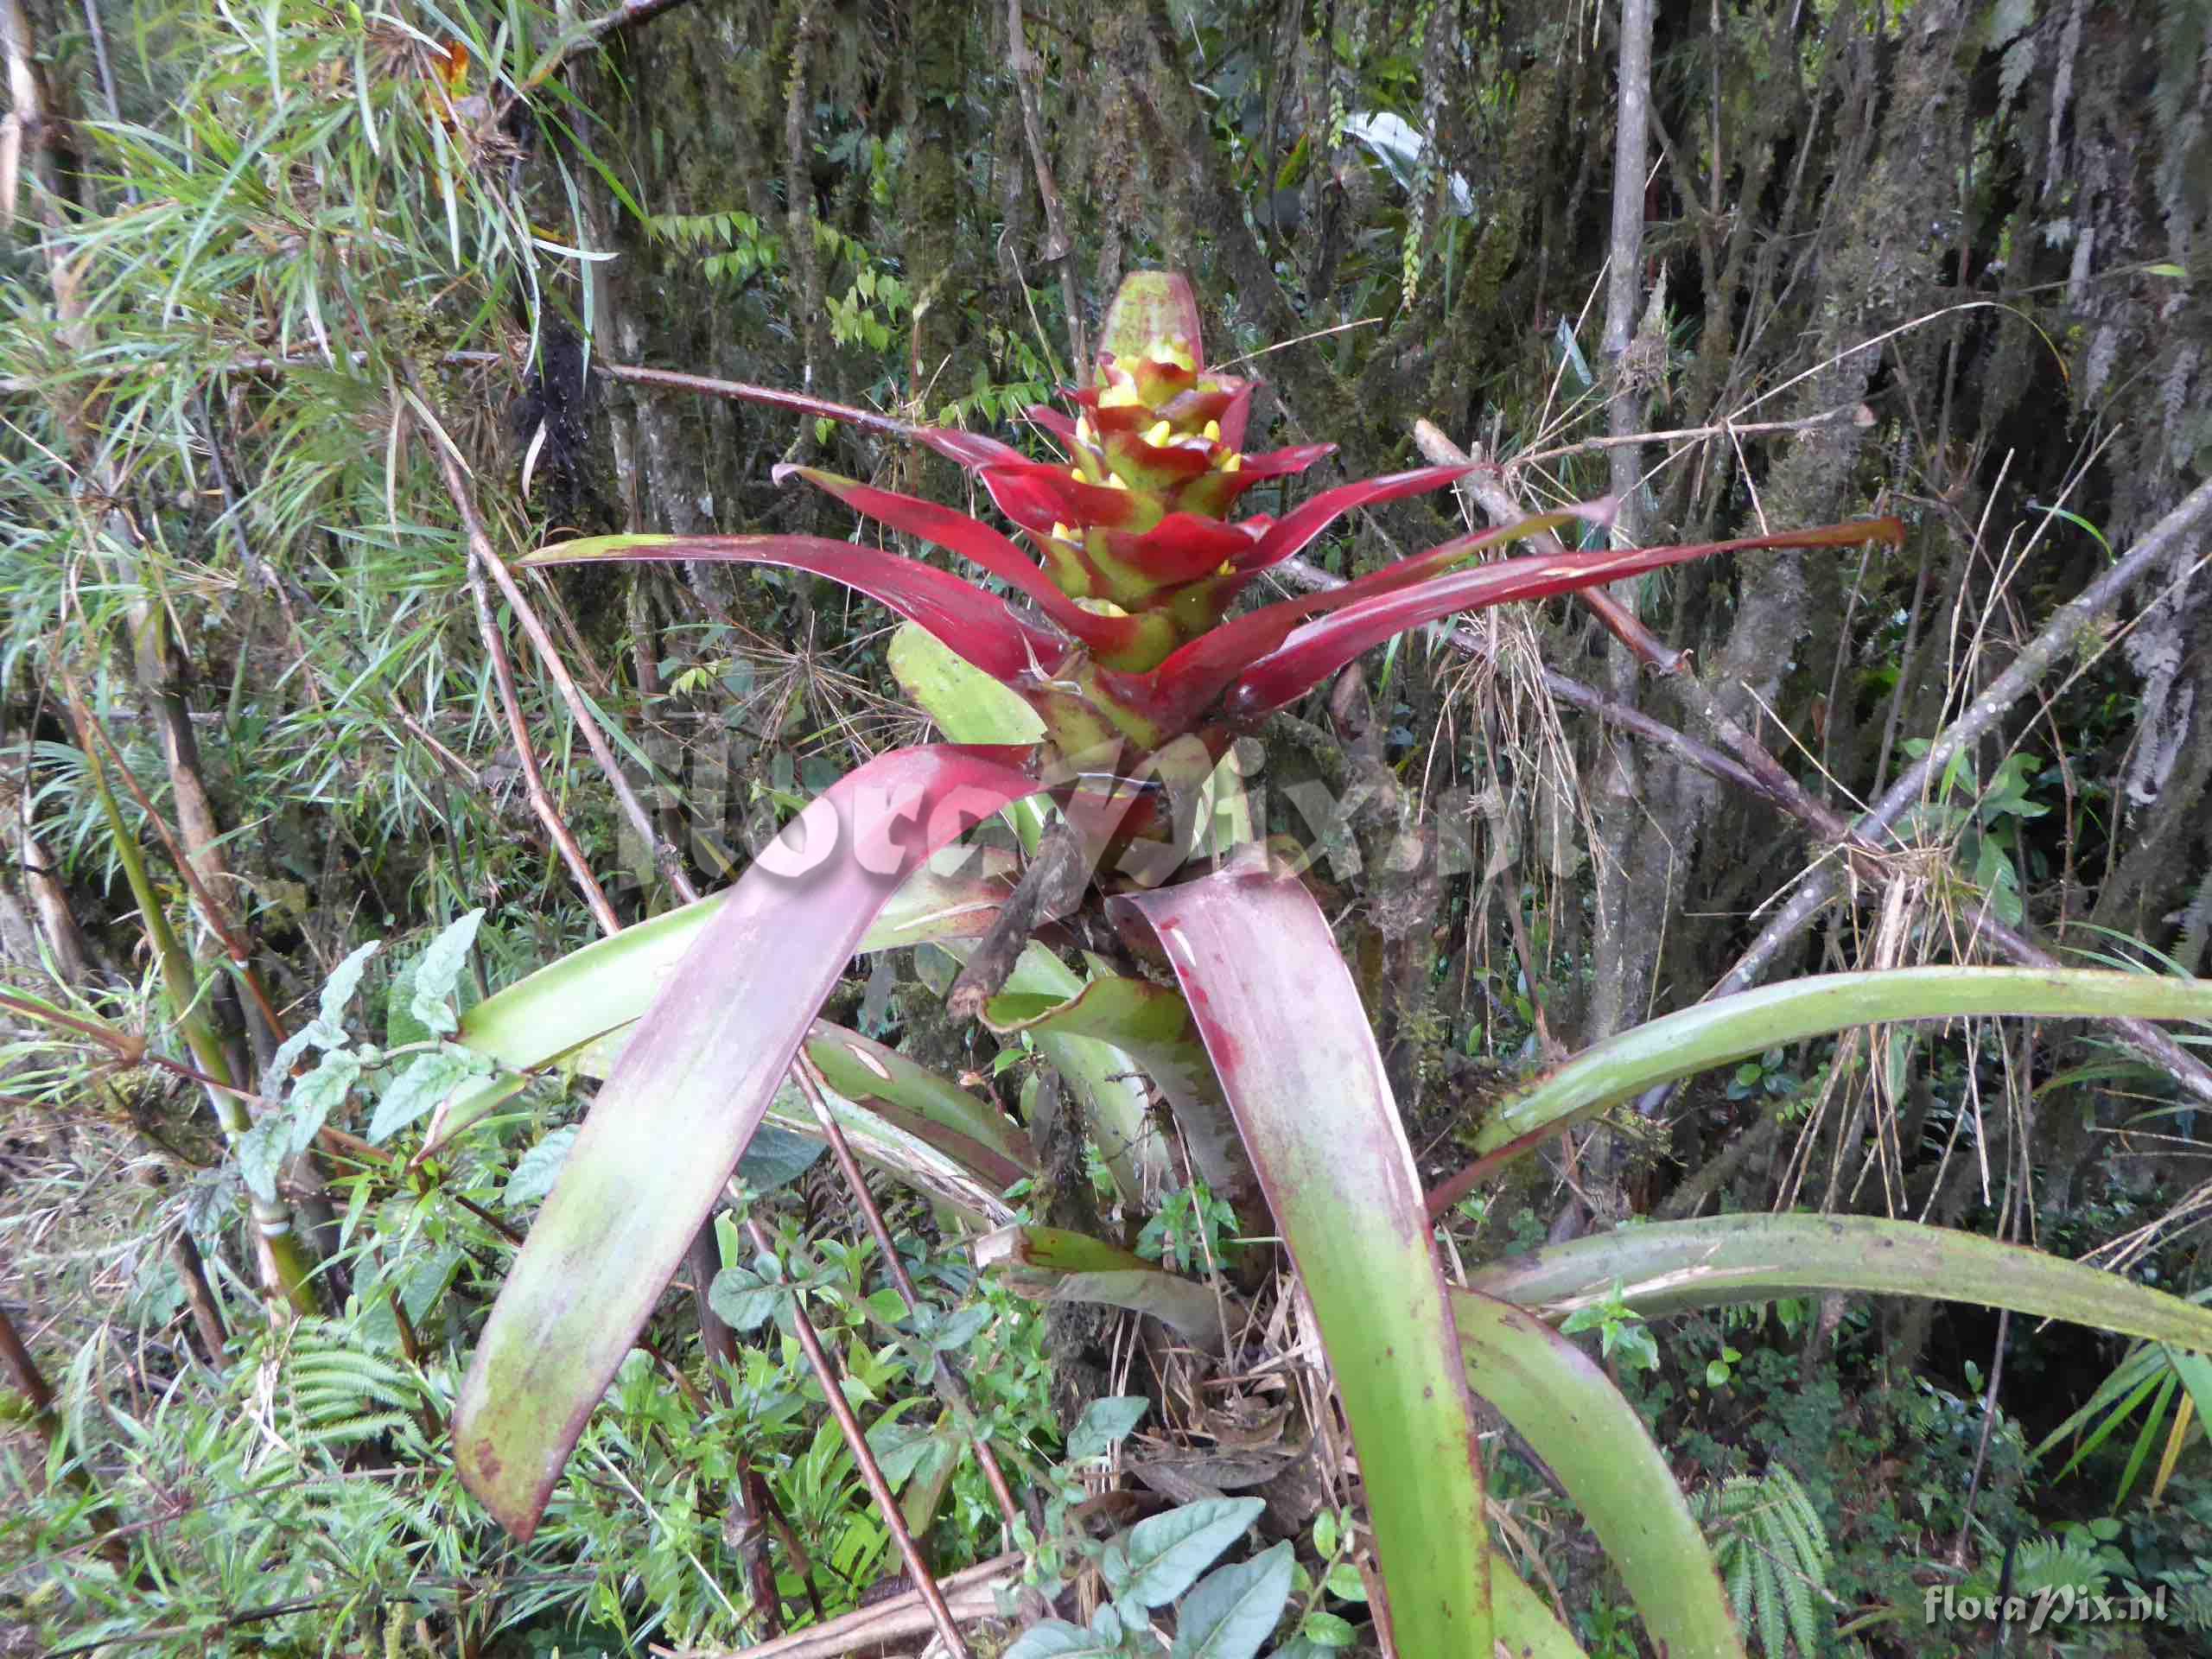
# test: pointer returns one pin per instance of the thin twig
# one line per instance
(972, 1594)
(1059, 248)
(871, 1471)
(2058, 637)
(591, 33)
(812, 1085)
(483, 557)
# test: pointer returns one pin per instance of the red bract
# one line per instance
(1137, 559)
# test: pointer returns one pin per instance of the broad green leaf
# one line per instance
(401, 1027)
(427, 1079)
(536, 1171)
(1527, 1628)
(671, 1121)
(1056, 1638)
(1167, 1552)
(1051, 1264)
(605, 987)
(968, 704)
(1290, 1040)
(438, 970)
(742, 1299)
(1105, 1423)
(1152, 1023)
(1231, 1614)
(344, 979)
(1559, 1401)
(777, 1157)
(1666, 1267)
(1107, 1081)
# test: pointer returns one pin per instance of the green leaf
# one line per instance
(1104, 1425)
(262, 1151)
(1057, 1639)
(1289, 1037)
(1233, 1612)
(401, 1027)
(316, 1095)
(427, 1079)
(1730, 1028)
(437, 971)
(1168, 1552)
(962, 1328)
(1669, 1266)
(344, 979)
(742, 1299)
(776, 1158)
(536, 1171)
(1558, 1400)
(1344, 1583)
(1327, 1631)
(1051, 1264)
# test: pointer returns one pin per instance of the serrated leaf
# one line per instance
(427, 1079)
(537, 1170)
(437, 971)
(1168, 1552)
(1233, 1612)
(1104, 1425)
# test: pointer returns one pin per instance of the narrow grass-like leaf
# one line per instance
(1730, 1028)
(971, 621)
(1669, 1266)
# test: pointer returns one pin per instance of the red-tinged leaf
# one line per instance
(1037, 496)
(1316, 1113)
(682, 1103)
(1162, 466)
(978, 542)
(1319, 648)
(971, 622)
(1182, 686)
(1152, 306)
(924, 1103)
(1054, 422)
(1282, 463)
(1237, 417)
(1291, 533)
(1180, 548)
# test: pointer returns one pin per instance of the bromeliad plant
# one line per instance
(1117, 636)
